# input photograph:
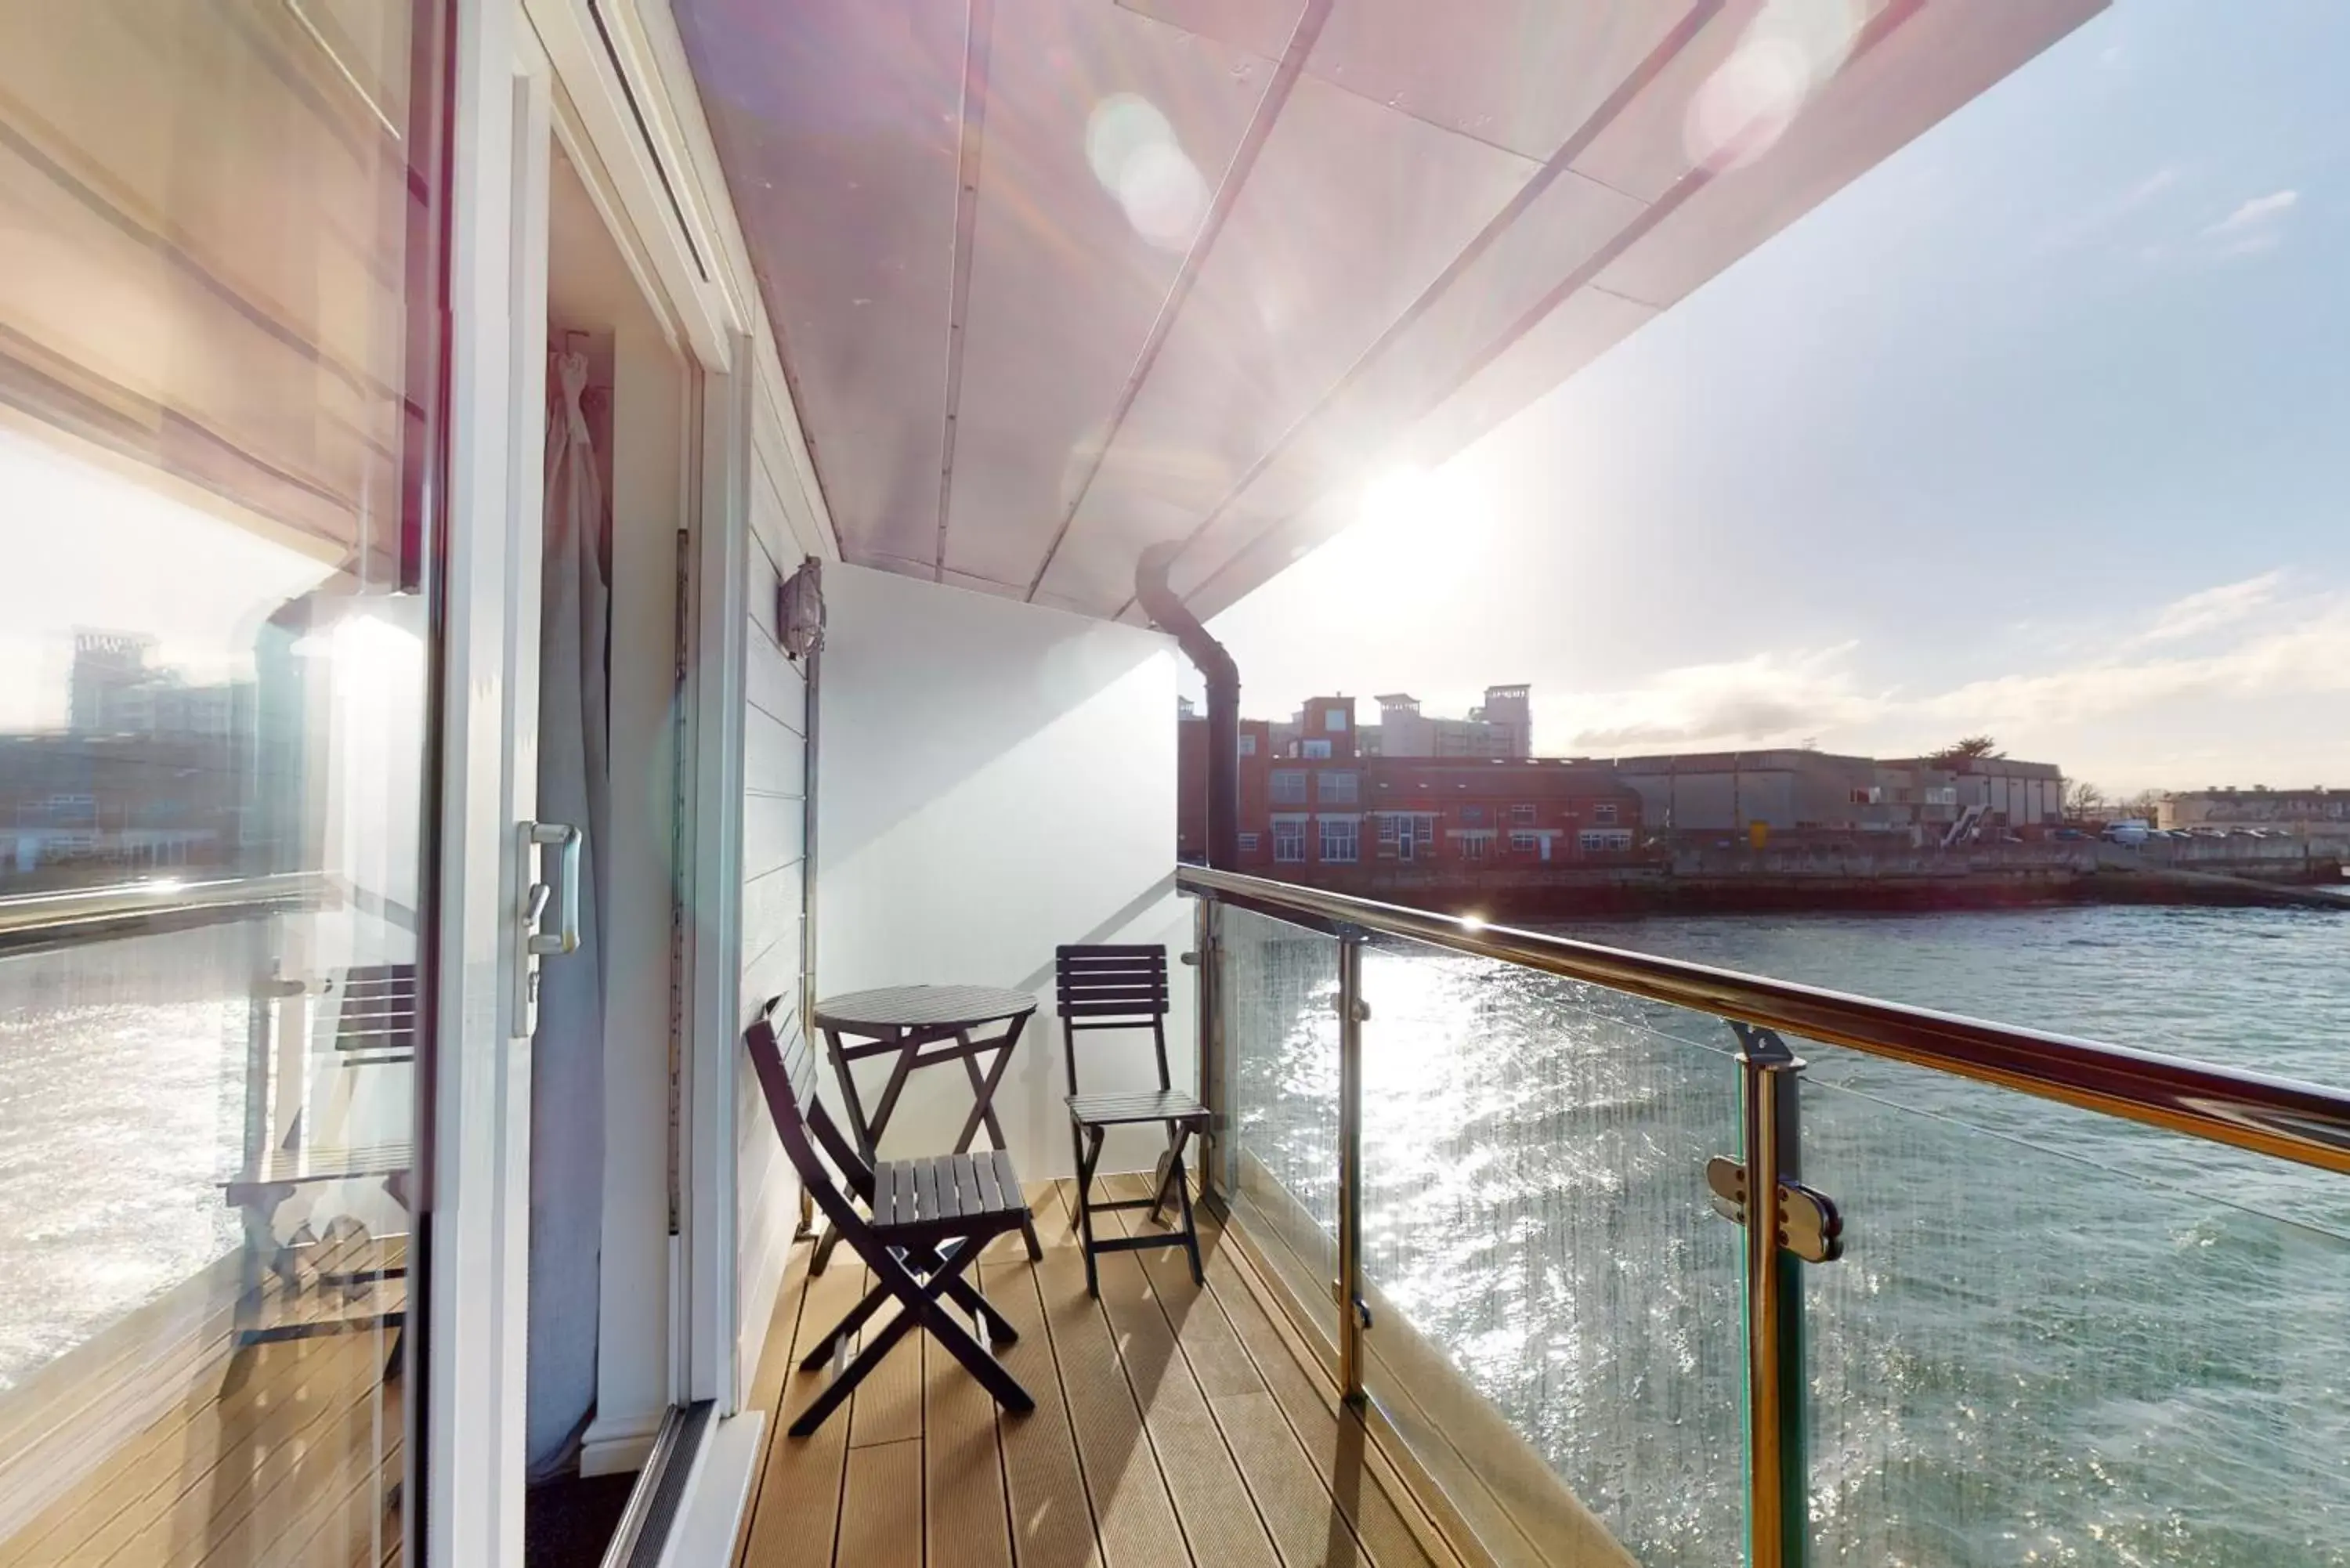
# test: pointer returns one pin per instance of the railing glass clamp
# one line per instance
(1809, 1225)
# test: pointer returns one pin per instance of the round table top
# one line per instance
(923, 1007)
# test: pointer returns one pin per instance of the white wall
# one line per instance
(995, 779)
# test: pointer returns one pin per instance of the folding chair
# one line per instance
(931, 1219)
(1125, 987)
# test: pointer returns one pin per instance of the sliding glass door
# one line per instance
(220, 278)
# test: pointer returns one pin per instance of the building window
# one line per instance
(1476, 846)
(1525, 843)
(1474, 814)
(1289, 786)
(1341, 839)
(1289, 841)
(1317, 748)
(1333, 720)
(1605, 841)
(1248, 745)
(1336, 788)
(1604, 812)
(1248, 842)
(1523, 812)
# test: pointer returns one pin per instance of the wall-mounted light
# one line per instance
(799, 611)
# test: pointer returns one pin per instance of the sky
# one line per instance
(2040, 429)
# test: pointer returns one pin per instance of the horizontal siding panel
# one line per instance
(771, 523)
(775, 758)
(770, 909)
(771, 682)
(774, 829)
(774, 971)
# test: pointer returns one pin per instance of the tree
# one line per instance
(2083, 801)
(1972, 748)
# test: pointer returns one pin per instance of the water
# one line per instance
(2055, 1338)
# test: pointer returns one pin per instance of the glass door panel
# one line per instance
(218, 277)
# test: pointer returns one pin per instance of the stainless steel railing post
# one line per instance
(1777, 1511)
(1208, 954)
(1352, 1013)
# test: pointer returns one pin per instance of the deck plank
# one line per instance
(1052, 1513)
(881, 1505)
(1132, 1506)
(963, 1468)
(796, 1512)
(888, 1405)
(1335, 1444)
(1219, 1516)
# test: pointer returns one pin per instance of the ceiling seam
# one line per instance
(1302, 40)
(1878, 28)
(1577, 142)
(979, 33)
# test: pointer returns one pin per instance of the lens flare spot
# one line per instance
(1133, 151)
(1790, 51)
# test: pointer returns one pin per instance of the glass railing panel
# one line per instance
(1553, 1299)
(2059, 1337)
(1279, 990)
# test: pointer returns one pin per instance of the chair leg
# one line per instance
(1089, 1155)
(1169, 1163)
(1190, 1225)
(854, 1319)
(958, 1343)
(840, 1387)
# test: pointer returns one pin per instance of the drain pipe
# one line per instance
(1171, 615)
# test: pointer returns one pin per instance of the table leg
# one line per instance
(982, 1110)
(909, 1045)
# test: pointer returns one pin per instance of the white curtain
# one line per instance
(567, 1086)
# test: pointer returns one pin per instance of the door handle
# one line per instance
(536, 943)
(564, 938)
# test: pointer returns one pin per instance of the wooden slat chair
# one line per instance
(1125, 987)
(931, 1219)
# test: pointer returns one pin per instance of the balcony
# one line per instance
(2003, 1265)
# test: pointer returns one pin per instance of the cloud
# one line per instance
(2255, 643)
(2305, 650)
(2258, 211)
(1763, 698)
(2255, 225)
(2212, 608)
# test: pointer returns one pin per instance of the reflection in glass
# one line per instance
(1279, 988)
(1539, 1247)
(215, 638)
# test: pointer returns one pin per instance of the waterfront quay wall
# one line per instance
(1714, 878)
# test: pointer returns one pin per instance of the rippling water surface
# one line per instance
(2055, 1338)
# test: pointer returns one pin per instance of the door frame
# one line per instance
(475, 1222)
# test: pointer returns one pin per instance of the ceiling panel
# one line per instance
(838, 122)
(1938, 57)
(1411, 134)
(1105, 134)
(1259, 26)
(1365, 425)
(1351, 210)
(1522, 74)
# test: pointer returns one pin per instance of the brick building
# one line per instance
(1326, 811)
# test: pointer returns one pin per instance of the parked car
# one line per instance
(2072, 832)
(2131, 833)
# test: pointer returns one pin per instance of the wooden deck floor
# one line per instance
(1173, 1424)
(282, 1453)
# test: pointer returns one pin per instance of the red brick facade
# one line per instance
(1316, 818)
